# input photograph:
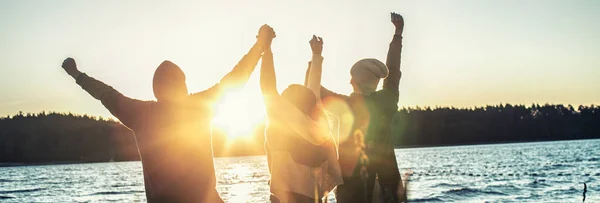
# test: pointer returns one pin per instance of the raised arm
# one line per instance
(280, 108)
(385, 163)
(313, 81)
(392, 82)
(237, 77)
(242, 71)
(268, 81)
(333, 102)
(127, 110)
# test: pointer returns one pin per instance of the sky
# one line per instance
(460, 53)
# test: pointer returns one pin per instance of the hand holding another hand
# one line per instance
(265, 35)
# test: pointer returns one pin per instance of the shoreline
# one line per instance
(487, 143)
(19, 164)
(16, 164)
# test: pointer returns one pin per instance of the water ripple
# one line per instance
(21, 191)
(427, 200)
(7, 197)
(529, 172)
(471, 192)
(6, 180)
(117, 192)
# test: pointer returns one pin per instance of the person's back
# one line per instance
(379, 110)
(373, 114)
(175, 145)
(366, 151)
(173, 134)
(301, 151)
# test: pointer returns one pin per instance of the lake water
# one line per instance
(525, 172)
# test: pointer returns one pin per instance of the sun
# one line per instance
(238, 113)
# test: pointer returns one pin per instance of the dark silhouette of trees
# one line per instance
(55, 137)
(63, 138)
(493, 124)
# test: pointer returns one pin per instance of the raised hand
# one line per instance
(316, 45)
(70, 67)
(398, 22)
(265, 35)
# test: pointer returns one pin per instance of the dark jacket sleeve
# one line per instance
(391, 83)
(234, 79)
(127, 110)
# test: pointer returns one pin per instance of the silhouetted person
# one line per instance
(373, 112)
(301, 151)
(173, 134)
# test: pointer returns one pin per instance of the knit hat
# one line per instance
(367, 73)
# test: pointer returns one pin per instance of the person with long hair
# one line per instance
(173, 133)
(367, 153)
(301, 149)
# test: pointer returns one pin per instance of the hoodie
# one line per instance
(173, 136)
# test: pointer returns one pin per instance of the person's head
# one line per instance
(169, 83)
(302, 97)
(366, 74)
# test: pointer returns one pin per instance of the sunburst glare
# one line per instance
(238, 113)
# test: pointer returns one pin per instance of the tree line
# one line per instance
(59, 137)
(493, 124)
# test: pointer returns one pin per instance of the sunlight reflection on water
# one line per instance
(531, 172)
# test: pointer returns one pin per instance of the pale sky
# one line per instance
(456, 53)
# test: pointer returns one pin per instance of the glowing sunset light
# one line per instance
(238, 113)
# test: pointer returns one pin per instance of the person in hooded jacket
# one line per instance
(301, 150)
(173, 133)
(372, 113)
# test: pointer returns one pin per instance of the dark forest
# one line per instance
(67, 138)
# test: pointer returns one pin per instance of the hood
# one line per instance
(169, 82)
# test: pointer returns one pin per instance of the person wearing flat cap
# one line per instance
(372, 110)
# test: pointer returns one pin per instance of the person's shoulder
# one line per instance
(142, 104)
(384, 96)
(381, 94)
